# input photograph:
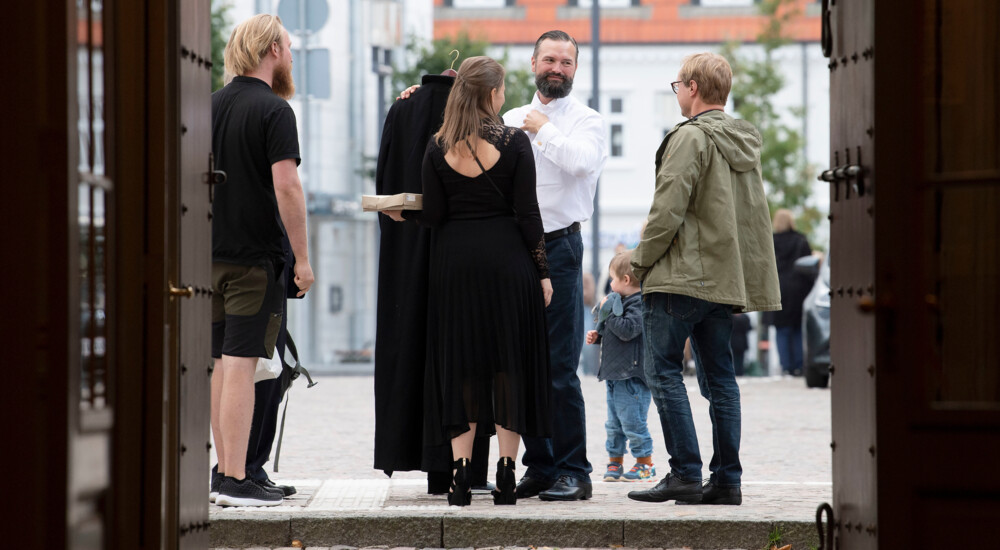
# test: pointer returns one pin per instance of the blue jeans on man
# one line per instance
(668, 320)
(565, 453)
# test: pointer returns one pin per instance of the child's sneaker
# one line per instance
(614, 471)
(640, 472)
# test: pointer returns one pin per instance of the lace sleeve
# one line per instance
(541, 260)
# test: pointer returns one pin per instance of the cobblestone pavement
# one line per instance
(327, 453)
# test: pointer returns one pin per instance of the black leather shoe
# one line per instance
(530, 487)
(713, 494)
(670, 488)
(286, 490)
(568, 488)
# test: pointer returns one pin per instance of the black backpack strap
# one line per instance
(295, 372)
(298, 368)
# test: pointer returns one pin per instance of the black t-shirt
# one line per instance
(252, 128)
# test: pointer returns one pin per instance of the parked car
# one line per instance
(816, 322)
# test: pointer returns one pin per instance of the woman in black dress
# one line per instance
(487, 350)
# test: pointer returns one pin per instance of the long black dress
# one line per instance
(487, 349)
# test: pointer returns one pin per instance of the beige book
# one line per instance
(402, 201)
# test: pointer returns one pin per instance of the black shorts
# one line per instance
(247, 306)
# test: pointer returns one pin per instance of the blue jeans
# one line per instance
(628, 405)
(669, 319)
(790, 348)
(565, 453)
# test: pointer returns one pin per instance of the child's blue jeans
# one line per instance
(628, 405)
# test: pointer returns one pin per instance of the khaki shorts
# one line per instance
(247, 306)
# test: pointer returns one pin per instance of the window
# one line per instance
(616, 140)
(479, 3)
(93, 202)
(724, 3)
(605, 3)
(616, 105)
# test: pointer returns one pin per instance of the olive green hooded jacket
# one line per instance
(709, 229)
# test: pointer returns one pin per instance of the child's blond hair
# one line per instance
(621, 265)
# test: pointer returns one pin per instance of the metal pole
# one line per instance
(595, 224)
(312, 308)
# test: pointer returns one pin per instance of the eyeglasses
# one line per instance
(675, 85)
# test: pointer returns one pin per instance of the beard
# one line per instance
(554, 89)
(282, 82)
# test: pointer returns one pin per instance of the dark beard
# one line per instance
(553, 90)
(282, 83)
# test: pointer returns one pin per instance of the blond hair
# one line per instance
(249, 43)
(621, 265)
(783, 220)
(470, 103)
(712, 73)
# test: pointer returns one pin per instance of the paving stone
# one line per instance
(242, 531)
(461, 531)
(715, 534)
(367, 531)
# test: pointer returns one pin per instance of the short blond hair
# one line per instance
(783, 220)
(712, 73)
(250, 42)
(621, 265)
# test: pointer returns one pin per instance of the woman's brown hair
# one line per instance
(470, 103)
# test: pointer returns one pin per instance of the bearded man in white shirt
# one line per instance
(570, 145)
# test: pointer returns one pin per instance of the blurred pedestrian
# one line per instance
(488, 284)
(789, 245)
(590, 356)
(741, 329)
(255, 141)
(704, 254)
(619, 332)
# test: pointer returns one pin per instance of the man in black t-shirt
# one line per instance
(255, 141)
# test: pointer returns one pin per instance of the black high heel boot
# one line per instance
(461, 484)
(505, 491)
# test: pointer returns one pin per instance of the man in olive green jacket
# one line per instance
(706, 252)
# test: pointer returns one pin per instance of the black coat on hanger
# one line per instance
(401, 317)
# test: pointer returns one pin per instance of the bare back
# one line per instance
(460, 159)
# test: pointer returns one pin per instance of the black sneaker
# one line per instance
(286, 490)
(713, 494)
(213, 491)
(670, 488)
(245, 492)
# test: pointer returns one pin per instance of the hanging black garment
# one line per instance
(401, 317)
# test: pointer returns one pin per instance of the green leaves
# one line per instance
(220, 22)
(756, 80)
(435, 56)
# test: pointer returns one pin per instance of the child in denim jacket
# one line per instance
(619, 330)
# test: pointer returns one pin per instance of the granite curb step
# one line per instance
(440, 531)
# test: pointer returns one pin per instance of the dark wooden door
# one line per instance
(852, 268)
(915, 123)
(193, 217)
(938, 236)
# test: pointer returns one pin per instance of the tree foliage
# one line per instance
(220, 23)
(436, 56)
(787, 174)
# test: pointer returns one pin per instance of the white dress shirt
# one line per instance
(570, 152)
